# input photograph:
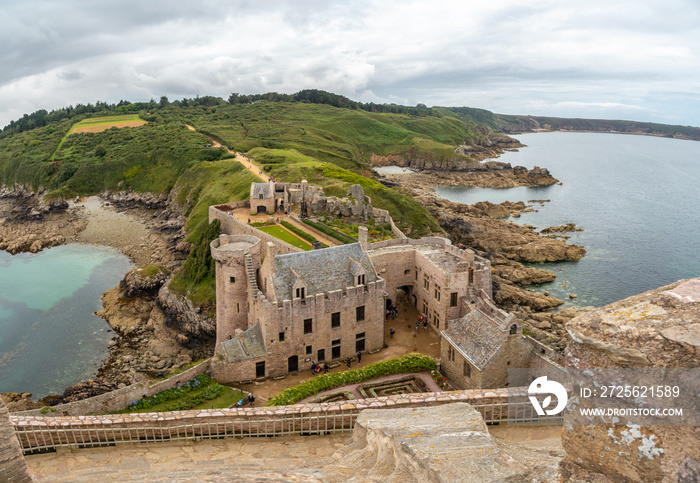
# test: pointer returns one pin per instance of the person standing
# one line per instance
(313, 368)
(348, 361)
(326, 368)
(391, 332)
(359, 357)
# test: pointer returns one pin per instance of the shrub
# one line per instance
(301, 233)
(330, 232)
(409, 363)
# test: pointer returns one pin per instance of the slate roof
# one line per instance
(477, 335)
(267, 190)
(321, 270)
(249, 346)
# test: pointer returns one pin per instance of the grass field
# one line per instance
(97, 124)
(284, 235)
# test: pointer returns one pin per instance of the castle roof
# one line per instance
(266, 189)
(477, 336)
(249, 346)
(321, 270)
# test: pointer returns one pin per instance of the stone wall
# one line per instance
(119, 399)
(12, 465)
(230, 225)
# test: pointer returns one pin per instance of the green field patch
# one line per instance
(286, 236)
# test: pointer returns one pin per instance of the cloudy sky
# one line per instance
(613, 59)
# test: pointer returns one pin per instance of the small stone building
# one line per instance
(479, 347)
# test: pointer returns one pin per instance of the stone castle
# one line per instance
(280, 309)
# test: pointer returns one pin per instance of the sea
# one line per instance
(50, 337)
(636, 197)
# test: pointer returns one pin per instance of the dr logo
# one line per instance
(542, 386)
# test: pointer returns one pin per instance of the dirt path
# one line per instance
(241, 158)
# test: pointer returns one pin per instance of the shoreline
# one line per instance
(141, 344)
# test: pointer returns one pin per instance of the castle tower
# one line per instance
(237, 264)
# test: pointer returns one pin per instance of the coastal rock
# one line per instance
(192, 321)
(510, 297)
(518, 273)
(654, 329)
(143, 281)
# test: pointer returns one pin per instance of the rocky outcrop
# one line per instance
(197, 325)
(30, 224)
(434, 444)
(143, 281)
(656, 329)
(516, 242)
(355, 207)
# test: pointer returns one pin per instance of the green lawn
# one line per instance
(287, 236)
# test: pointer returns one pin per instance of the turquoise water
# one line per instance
(637, 197)
(49, 336)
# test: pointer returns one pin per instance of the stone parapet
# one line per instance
(38, 433)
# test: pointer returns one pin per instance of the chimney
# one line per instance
(362, 236)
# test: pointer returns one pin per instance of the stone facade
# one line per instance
(278, 314)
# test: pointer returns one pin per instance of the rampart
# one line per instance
(118, 399)
(231, 225)
(40, 433)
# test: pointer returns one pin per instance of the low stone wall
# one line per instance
(116, 400)
(40, 433)
(230, 225)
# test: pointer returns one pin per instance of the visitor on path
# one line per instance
(326, 368)
(313, 368)
(359, 357)
(417, 325)
(348, 361)
(391, 332)
(251, 399)
(425, 325)
(240, 403)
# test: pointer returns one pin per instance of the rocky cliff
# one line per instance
(656, 329)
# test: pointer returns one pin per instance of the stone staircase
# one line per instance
(252, 279)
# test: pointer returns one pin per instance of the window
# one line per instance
(452, 354)
(407, 271)
(232, 280)
(436, 319)
(300, 293)
(260, 196)
(335, 349)
(281, 336)
(426, 281)
(360, 342)
(360, 313)
(361, 279)
(335, 320)
(425, 308)
(453, 299)
(513, 329)
(308, 326)
(238, 307)
(309, 350)
(436, 294)
(321, 355)
(466, 369)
